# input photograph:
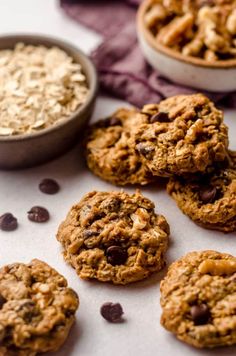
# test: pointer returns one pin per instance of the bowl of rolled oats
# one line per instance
(191, 42)
(47, 94)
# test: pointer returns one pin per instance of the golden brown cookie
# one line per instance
(209, 201)
(185, 135)
(198, 298)
(108, 151)
(37, 309)
(114, 237)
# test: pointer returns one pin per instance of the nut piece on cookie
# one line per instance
(108, 151)
(185, 135)
(114, 237)
(210, 200)
(198, 305)
(37, 309)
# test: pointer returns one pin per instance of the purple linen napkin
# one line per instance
(123, 71)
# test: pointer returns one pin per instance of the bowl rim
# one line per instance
(198, 62)
(67, 47)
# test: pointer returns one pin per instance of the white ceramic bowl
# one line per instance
(190, 71)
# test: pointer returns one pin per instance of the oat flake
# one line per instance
(39, 87)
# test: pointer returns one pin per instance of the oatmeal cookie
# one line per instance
(114, 237)
(198, 298)
(37, 309)
(108, 151)
(210, 201)
(185, 135)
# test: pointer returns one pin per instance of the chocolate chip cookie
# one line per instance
(198, 298)
(210, 201)
(185, 134)
(114, 237)
(37, 309)
(109, 154)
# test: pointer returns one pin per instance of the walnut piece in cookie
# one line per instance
(185, 135)
(198, 304)
(37, 309)
(210, 201)
(114, 237)
(109, 154)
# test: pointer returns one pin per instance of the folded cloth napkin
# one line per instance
(123, 71)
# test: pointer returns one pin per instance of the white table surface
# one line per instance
(141, 333)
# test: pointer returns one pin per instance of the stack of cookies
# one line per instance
(182, 138)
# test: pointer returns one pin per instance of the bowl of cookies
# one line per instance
(47, 94)
(193, 43)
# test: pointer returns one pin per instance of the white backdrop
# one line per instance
(140, 334)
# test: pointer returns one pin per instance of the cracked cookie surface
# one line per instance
(37, 309)
(198, 298)
(108, 152)
(114, 237)
(211, 200)
(185, 135)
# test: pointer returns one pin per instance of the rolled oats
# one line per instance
(204, 29)
(39, 87)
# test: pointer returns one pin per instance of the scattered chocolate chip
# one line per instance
(143, 149)
(116, 255)
(38, 214)
(207, 194)
(8, 222)
(112, 312)
(2, 301)
(200, 314)
(49, 186)
(160, 117)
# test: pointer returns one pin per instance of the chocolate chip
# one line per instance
(111, 205)
(2, 301)
(27, 310)
(207, 194)
(38, 214)
(110, 121)
(49, 186)
(200, 314)
(116, 255)
(143, 149)
(90, 233)
(8, 222)
(114, 121)
(160, 117)
(112, 312)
